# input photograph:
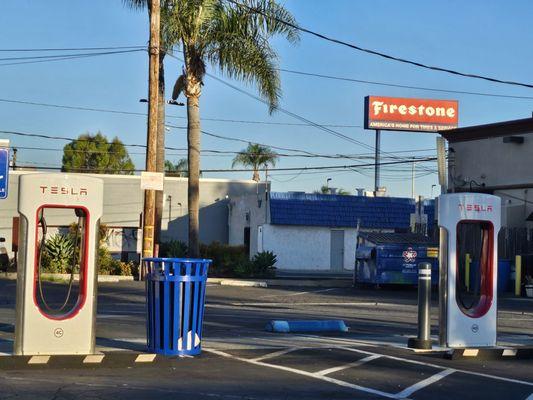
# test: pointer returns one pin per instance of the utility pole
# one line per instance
(413, 165)
(151, 142)
(377, 156)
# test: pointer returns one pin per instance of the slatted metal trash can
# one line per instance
(175, 297)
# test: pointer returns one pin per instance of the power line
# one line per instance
(328, 167)
(378, 53)
(36, 60)
(313, 168)
(104, 110)
(71, 49)
(339, 78)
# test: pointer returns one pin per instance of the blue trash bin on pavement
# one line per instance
(175, 297)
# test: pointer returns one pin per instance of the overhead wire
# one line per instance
(379, 53)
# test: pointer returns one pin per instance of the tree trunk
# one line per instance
(160, 160)
(193, 152)
(256, 175)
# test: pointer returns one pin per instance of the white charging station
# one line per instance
(56, 203)
(469, 225)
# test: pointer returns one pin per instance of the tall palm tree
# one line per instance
(234, 40)
(255, 156)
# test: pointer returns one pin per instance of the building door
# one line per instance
(337, 250)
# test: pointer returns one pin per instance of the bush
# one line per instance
(58, 255)
(225, 258)
(261, 266)
(107, 265)
(264, 264)
(173, 249)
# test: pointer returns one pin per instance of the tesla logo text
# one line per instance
(63, 190)
(475, 207)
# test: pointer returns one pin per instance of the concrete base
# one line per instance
(415, 343)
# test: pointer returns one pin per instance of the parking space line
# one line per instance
(349, 365)
(422, 384)
(277, 353)
(463, 371)
(307, 374)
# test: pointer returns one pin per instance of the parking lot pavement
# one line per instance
(241, 360)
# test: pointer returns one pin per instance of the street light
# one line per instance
(327, 182)
(171, 102)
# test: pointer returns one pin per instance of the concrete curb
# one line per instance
(66, 277)
(318, 283)
(504, 353)
(118, 359)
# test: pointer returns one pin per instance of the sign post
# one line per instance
(377, 158)
(4, 168)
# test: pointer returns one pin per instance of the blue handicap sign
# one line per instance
(4, 171)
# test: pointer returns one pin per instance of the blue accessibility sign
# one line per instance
(4, 171)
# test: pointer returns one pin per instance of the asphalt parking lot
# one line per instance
(242, 361)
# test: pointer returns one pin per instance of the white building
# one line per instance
(313, 232)
(123, 205)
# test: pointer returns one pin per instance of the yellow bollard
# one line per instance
(518, 275)
(468, 260)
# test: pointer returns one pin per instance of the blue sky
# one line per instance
(490, 38)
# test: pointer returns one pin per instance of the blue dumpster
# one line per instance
(392, 258)
(175, 296)
(504, 272)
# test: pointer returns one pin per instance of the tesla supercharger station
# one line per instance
(469, 225)
(49, 205)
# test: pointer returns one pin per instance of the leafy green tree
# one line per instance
(94, 154)
(255, 156)
(234, 40)
(327, 190)
(179, 169)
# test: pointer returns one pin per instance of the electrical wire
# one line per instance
(67, 57)
(378, 53)
(367, 82)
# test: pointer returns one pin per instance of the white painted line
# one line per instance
(39, 360)
(470, 352)
(93, 359)
(298, 293)
(349, 365)
(143, 358)
(463, 371)
(308, 374)
(352, 304)
(277, 353)
(422, 384)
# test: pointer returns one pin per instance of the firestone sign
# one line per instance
(423, 115)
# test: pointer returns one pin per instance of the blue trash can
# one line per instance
(175, 297)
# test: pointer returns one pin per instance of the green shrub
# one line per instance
(264, 264)
(173, 249)
(261, 266)
(58, 254)
(225, 258)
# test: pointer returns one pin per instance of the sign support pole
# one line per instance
(377, 157)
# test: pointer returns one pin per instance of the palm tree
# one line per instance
(233, 39)
(255, 156)
(179, 169)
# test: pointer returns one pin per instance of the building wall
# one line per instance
(492, 162)
(305, 248)
(123, 202)
(504, 168)
(247, 211)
